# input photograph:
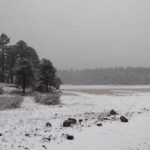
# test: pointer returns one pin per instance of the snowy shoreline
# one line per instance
(31, 118)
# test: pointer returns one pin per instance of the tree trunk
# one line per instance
(24, 85)
(3, 76)
(46, 86)
(12, 79)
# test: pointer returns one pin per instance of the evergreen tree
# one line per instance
(47, 76)
(24, 72)
(4, 40)
(11, 61)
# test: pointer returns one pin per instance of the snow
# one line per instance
(24, 128)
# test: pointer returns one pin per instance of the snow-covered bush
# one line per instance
(15, 91)
(8, 102)
(11, 90)
(48, 98)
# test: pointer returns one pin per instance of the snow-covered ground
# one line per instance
(24, 128)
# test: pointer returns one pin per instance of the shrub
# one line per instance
(9, 102)
(10, 90)
(15, 91)
(48, 98)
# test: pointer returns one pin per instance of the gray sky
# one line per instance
(81, 33)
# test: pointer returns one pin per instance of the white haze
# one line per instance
(81, 33)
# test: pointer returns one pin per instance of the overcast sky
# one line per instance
(81, 33)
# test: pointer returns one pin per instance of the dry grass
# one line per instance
(111, 91)
(47, 99)
(9, 102)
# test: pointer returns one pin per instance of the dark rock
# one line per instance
(47, 138)
(1, 134)
(123, 119)
(72, 120)
(66, 123)
(80, 120)
(44, 146)
(113, 112)
(48, 124)
(70, 137)
(99, 124)
(69, 122)
(28, 135)
(105, 118)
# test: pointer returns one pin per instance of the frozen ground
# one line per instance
(24, 128)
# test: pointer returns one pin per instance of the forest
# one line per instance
(20, 65)
(106, 76)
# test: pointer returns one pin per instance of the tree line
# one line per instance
(20, 65)
(107, 76)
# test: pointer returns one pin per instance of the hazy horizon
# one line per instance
(82, 33)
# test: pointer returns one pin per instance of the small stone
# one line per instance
(1, 134)
(47, 139)
(44, 146)
(48, 124)
(70, 137)
(123, 119)
(28, 135)
(113, 112)
(99, 124)
(105, 118)
(80, 120)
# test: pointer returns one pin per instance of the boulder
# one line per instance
(69, 122)
(66, 123)
(72, 120)
(123, 119)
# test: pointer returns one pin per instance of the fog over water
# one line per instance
(81, 33)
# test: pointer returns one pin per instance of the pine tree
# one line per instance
(4, 40)
(24, 72)
(47, 76)
(11, 61)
